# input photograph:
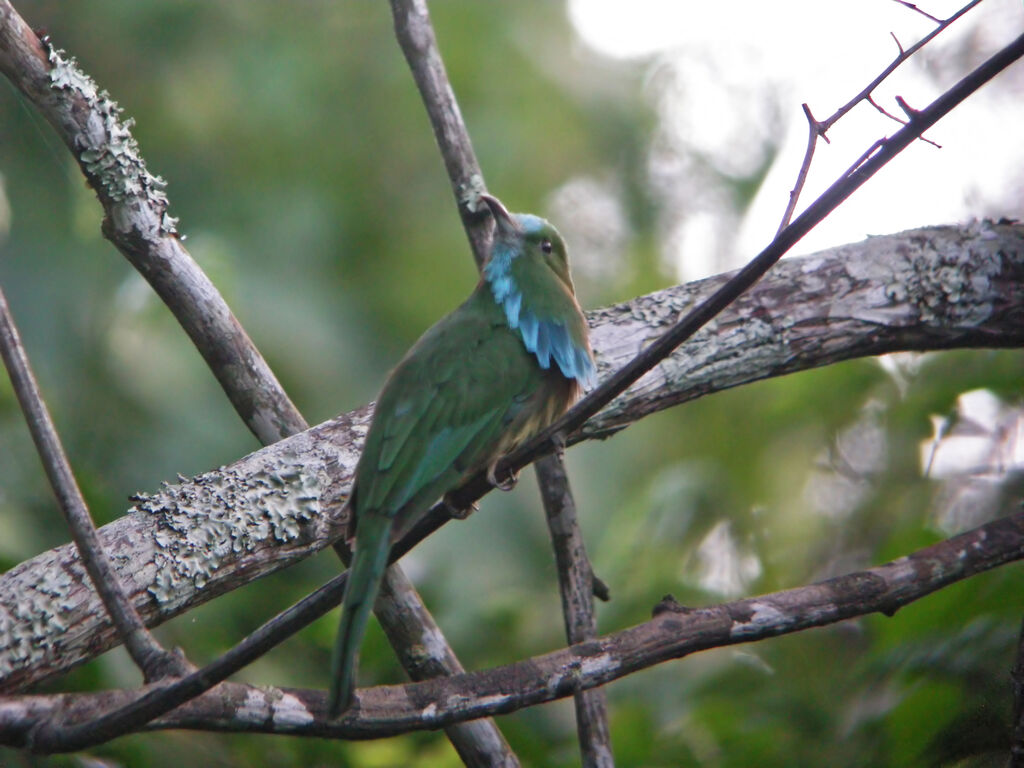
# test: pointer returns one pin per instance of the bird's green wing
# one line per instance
(444, 410)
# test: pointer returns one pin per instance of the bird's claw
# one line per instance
(502, 485)
(459, 512)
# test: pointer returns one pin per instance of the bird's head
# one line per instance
(523, 235)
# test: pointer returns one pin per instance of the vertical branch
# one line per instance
(577, 585)
(1017, 677)
(152, 659)
(415, 35)
(425, 654)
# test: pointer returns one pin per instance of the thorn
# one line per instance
(599, 588)
(817, 126)
(668, 604)
(908, 110)
(898, 43)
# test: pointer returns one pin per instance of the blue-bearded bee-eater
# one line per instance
(494, 372)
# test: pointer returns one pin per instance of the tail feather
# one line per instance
(373, 543)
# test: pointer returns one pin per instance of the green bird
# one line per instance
(494, 372)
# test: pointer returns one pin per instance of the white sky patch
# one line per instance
(971, 452)
(724, 567)
(732, 66)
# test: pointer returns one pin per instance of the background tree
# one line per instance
(299, 161)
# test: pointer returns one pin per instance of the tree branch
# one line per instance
(673, 632)
(576, 585)
(415, 35)
(926, 289)
(1017, 681)
(89, 123)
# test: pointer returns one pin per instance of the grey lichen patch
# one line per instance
(108, 152)
(470, 191)
(212, 520)
(35, 613)
(946, 276)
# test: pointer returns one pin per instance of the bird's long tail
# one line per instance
(373, 543)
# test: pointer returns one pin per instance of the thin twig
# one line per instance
(902, 57)
(146, 652)
(576, 583)
(814, 130)
(822, 128)
(882, 110)
(673, 632)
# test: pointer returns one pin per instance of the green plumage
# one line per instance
(467, 392)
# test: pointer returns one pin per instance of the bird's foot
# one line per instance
(506, 484)
(456, 511)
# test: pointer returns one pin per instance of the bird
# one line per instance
(486, 377)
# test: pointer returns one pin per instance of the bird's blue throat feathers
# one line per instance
(548, 339)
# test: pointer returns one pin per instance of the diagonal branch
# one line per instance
(673, 633)
(146, 652)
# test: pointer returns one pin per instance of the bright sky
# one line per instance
(712, 65)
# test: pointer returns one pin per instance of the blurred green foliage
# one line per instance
(303, 169)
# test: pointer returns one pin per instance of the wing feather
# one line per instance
(444, 410)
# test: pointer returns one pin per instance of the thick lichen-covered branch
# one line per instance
(932, 288)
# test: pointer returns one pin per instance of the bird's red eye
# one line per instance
(545, 245)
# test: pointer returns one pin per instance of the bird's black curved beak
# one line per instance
(501, 215)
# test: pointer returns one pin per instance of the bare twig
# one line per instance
(576, 582)
(814, 130)
(822, 128)
(882, 110)
(146, 652)
(673, 632)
